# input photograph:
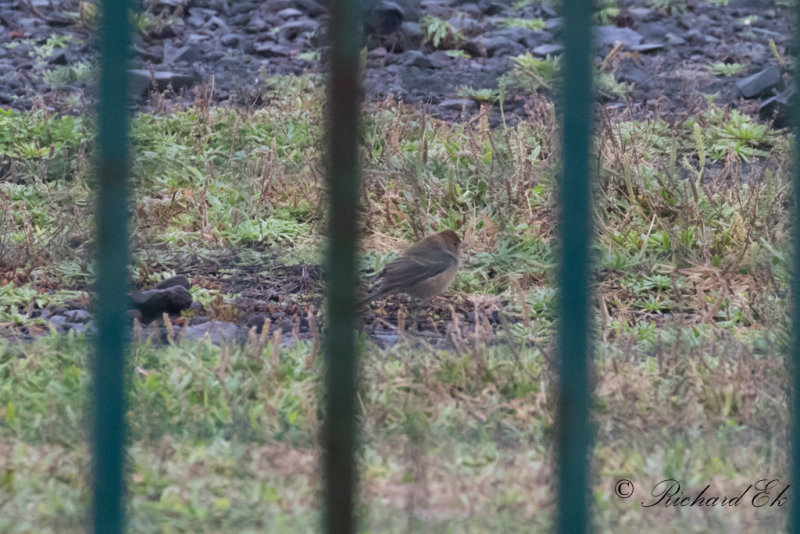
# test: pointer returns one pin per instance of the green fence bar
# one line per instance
(112, 271)
(794, 510)
(575, 230)
(339, 430)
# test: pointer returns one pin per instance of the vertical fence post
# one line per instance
(339, 431)
(112, 271)
(794, 510)
(575, 229)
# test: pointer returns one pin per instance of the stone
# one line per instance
(547, 50)
(778, 108)
(415, 58)
(608, 36)
(188, 53)
(272, 50)
(77, 316)
(291, 30)
(231, 40)
(413, 32)
(554, 24)
(217, 332)
(141, 80)
(759, 83)
(289, 13)
(647, 47)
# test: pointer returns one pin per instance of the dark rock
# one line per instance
(189, 54)
(499, 46)
(216, 23)
(491, 7)
(415, 58)
(142, 80)
(291, 30)
(231, 40)
(778, 108)
(272, 50)
(466, 25)
(630, 71)
(154, 302)
(440, 59)
(413, 32)
(59, 58)
(311, 7)
(759, 83)
(608, 36)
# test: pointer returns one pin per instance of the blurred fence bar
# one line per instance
(112, 271)
(794, 510)
(575, 230)
(339, 432)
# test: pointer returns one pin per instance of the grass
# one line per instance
(691, 259)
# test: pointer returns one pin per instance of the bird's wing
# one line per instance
(412, 267)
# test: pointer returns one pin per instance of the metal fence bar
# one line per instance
(793, 524)
(112, 271)
(339, 433)
(575, 230)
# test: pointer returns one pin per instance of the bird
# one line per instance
(424, 270)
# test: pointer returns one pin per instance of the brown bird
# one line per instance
(423, 271)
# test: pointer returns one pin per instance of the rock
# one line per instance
(155, 302)
(554, 24)
(77, 316)
(673, 39)
(778, 108)
(141, 80)
(289, 13)
(499, 46)
(312, 8)
(608, 36)
(647, 47)
(413, 32)
(641, 13)
(58, 58)
(630, 71)
(216, 23)
(231, 40)
(491, 7)
(759, 83)
(272, 50)
(188, 53)
(547, 50)
(215, 331)
(415, 58)
(466, 25)
(291, 30)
